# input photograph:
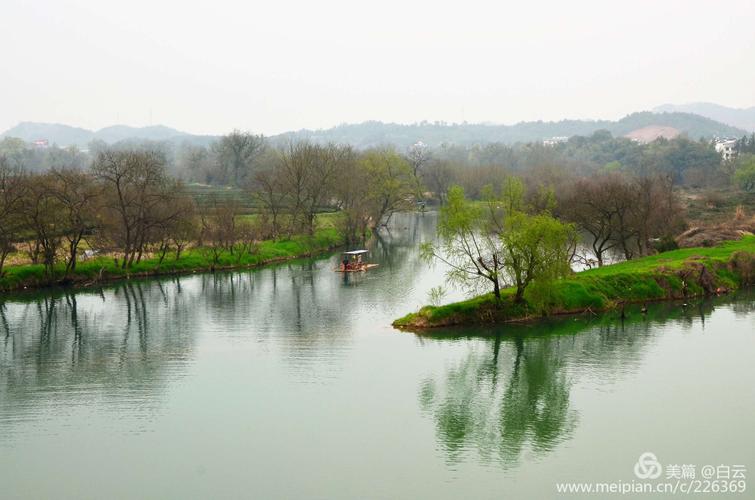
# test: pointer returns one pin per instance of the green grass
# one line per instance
(324, 220)
(676, 258)
(657, 277)
(196, 259)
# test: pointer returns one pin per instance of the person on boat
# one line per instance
(359, 261)
(345, 263)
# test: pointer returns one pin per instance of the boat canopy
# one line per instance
(356, 252)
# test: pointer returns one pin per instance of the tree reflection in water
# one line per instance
(510, 393)
(69, 347)
(516, 392)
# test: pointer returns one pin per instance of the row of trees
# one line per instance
(688, 163)
(295, 183)
(21, 155)
(526, 238)
(127, 204)
(236, 158)
(616, 212)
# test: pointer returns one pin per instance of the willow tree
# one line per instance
(391, 185)
(468, 246)
(536, 249)
(495, 243)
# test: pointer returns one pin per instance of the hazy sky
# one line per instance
(208, 67)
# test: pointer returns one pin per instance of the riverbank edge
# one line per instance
(679, 274)
(103, 270)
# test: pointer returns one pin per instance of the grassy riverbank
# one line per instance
(103, 269)
(671, 275)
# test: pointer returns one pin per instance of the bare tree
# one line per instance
(269, 192)
(219, 231)
(622, 212)
(418, 156)
(307, 176)
(438, 176)
(12, 189)
(78, 197)
(656, 211)
(236, 153)
(136, 187)
(352, 192)
(43, 215)
(294, 171)
(325, 170)
(196, 164)
(587, 203)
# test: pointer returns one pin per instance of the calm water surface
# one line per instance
(289, 382)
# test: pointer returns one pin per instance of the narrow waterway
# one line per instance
(289, 382)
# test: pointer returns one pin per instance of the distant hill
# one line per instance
(743, 118)
(374, 133)
(63, 135)
(117, 133)
(66, 135)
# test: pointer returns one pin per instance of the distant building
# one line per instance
(727, 148)
(41, 143)
(555, 140)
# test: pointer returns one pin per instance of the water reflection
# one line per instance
(125, 342)
(309, 353)
(71, 348)
(497, 400)
(509, 395)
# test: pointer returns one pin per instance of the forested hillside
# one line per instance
(374, 133)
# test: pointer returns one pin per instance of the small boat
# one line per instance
(353, 262)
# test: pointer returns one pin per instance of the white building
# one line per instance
(727, 148)
(554, 141)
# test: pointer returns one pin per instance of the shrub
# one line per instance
(665, 244)
(743, 264)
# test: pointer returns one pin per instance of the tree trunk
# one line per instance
(519, 297)
(3, 255)
(126, 253)
(163, 251)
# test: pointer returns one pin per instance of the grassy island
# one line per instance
(670, 275)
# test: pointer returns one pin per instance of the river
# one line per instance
(289, 382)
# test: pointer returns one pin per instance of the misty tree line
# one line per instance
(127, 203)
(233, 159)
(692, 164)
